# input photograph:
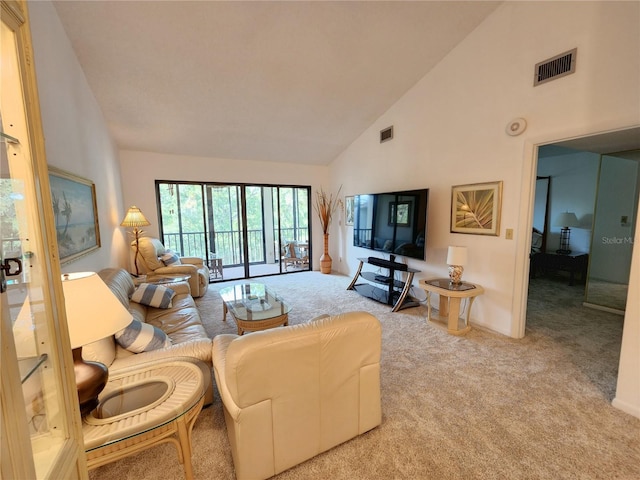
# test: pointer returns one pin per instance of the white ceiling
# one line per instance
(277, 81)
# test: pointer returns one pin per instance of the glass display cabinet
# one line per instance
(40, 423)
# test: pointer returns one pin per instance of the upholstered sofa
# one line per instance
(181, 323)
(293, 392)
(151, 262)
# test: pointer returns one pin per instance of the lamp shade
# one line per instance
(93, 311)
(566, 219)
(457, 255)
(134, 218)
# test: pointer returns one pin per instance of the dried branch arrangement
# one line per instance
(325, 205)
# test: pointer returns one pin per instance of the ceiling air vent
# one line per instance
(556, 67)
(386, 134)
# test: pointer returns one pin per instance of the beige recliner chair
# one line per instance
(150, 262)
(290, 393)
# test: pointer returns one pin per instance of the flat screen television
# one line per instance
(393, 223)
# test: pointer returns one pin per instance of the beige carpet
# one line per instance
(481, 406)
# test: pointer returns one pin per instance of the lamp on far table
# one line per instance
(565, 220)
(456, 258)
(93, 313)
(135, 218)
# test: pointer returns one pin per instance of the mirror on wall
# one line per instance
(541, 214)
(612, 237)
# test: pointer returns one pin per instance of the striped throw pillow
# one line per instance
(153, 295)
(170, 258)
(141, 337)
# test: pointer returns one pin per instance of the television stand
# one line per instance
(392, 292)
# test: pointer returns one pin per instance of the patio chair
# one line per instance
(291, 256)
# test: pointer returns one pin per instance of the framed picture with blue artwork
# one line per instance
(75, 213)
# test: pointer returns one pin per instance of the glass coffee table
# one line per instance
(254, 306)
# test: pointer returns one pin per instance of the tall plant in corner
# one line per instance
(325, 206)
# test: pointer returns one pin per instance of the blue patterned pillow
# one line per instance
(141, 337)
(153, 295)
(170, 258)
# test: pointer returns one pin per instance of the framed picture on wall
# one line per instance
(75, 213)
(475, 208)
(348, 210)
(399, 213)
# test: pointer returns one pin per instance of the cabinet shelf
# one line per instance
(28, 366)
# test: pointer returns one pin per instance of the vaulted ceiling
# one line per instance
(277, 81)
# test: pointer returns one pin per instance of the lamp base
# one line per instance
(565, 235)
(455, 274)
(91, 378)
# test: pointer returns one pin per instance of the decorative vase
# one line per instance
(325, 259)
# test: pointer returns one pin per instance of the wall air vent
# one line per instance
(556, 67)
(386, 134)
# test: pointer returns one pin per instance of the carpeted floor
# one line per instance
(482, 406)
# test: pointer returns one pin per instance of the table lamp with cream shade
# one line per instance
(134, 219)
(456, 259)
(93, 313)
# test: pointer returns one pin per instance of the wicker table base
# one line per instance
(254, 307)
(168, 419)
(256, 325)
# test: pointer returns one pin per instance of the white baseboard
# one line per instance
(604, 309)
(626, 407)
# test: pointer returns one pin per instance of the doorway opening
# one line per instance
(559, 290)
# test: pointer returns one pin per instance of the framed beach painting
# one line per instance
(475, 208)
(76, 215)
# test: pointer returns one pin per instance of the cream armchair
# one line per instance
(291, 393)
(149, 262)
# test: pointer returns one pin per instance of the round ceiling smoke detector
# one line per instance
(516, 127)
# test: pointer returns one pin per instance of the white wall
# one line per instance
(76, 137)
(574, 180)
(628, 389)
(450, 130)
(140, 170)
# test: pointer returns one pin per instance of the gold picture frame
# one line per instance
(475, 208)
(75, 213)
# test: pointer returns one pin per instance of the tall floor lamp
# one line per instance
(93, 313)
(135, 218)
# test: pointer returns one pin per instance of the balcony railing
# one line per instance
(11, 247)
(227, 244)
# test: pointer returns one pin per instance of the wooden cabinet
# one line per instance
(575, 263)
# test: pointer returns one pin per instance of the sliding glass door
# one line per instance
(242, 231)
